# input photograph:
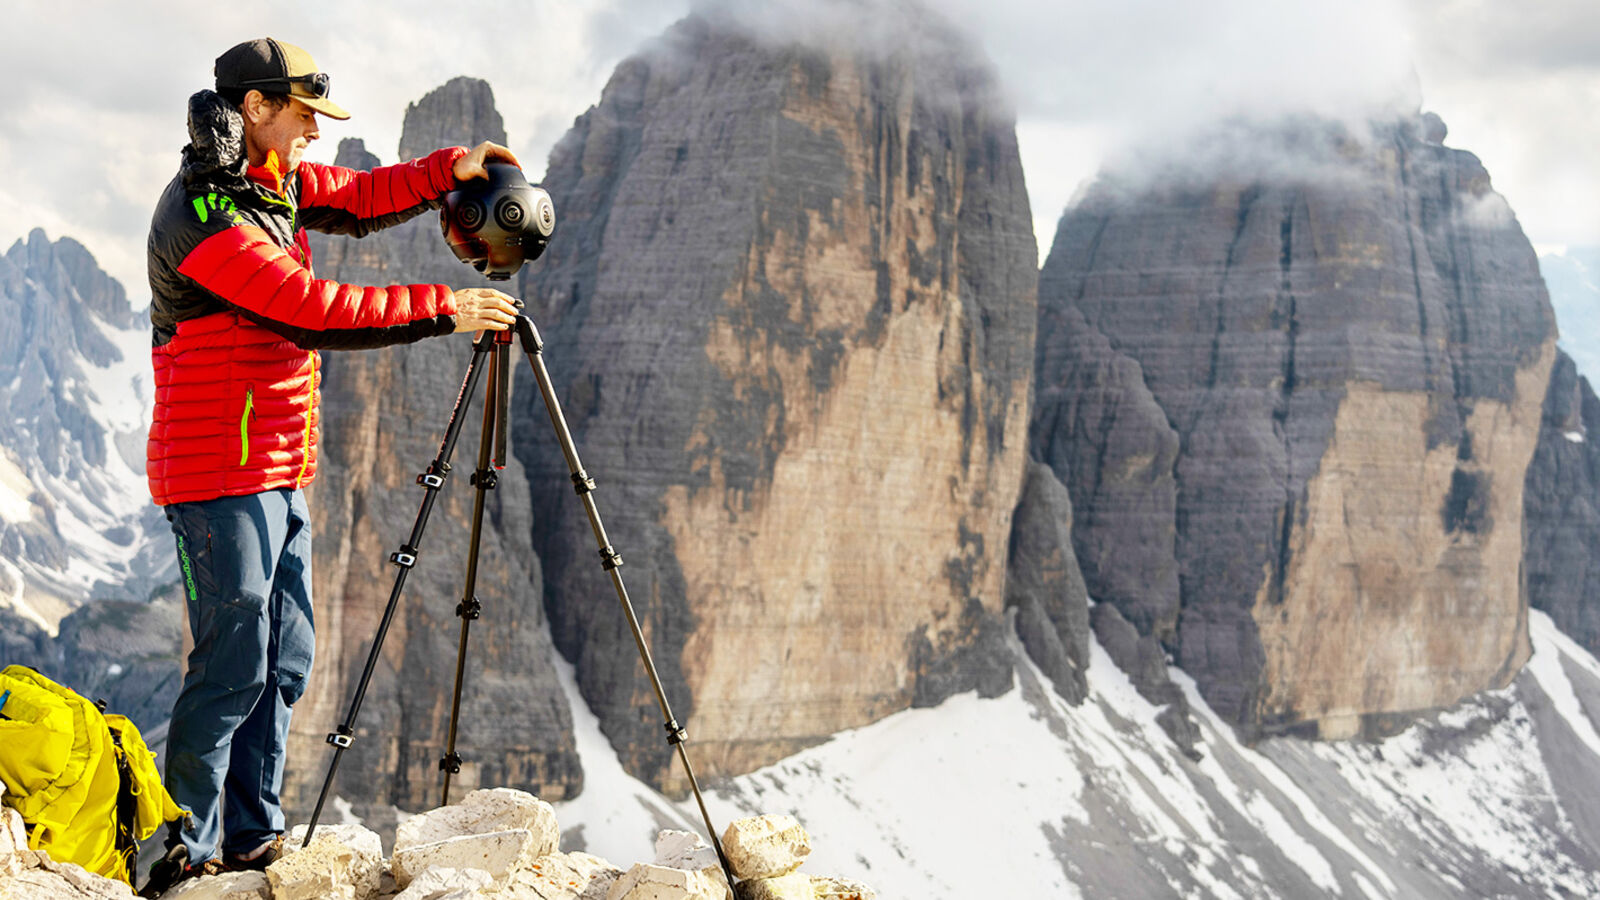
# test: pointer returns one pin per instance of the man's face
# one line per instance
(288, 130)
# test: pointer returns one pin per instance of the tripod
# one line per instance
(495, 347)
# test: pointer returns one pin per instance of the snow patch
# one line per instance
(119, 396)
(1283, 835)
(1545, 665)
(18, 602)
(14, 491)
(1575, 437)
(346, 813)
(1472, 786)
(615, 809)
(1300, 851)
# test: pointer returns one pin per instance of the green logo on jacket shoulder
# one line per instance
(221, 204)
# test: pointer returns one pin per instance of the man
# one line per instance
(238, 318)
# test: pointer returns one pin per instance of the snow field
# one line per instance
(973, 798)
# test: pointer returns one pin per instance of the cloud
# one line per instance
(1093, 80)
(1552, 35)
(92, 120)
(1518, 84)
(1097, 79)
(1143, 78)
(92, 125)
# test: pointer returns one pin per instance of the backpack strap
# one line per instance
(127, 844)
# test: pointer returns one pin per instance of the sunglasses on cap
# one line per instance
(316, 83)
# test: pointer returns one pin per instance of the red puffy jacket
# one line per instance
(238, 315)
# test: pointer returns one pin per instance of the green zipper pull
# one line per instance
(244, 419)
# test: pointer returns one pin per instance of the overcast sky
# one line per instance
(92, 117)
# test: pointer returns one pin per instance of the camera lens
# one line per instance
(544, 214)
(510, 213)
(470, 215)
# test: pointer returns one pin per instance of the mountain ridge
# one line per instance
(916, 545)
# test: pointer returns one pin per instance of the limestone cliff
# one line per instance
(383, 417)
(1562, 508)
(1101, 432)
(1045, 585)
(1352, 350)
(789, 309)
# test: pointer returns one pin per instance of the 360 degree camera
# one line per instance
(496, 224)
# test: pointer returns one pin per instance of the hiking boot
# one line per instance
(174, 868)
(266, 855)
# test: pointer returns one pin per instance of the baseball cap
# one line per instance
(271, 66)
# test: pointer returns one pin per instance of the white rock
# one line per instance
(564, 876)
(438, 883)
(687, 850)
(227, 886)
(793, 886)
(13, 842)
(766, 846)
(356, 837)
(13, 831)
(824, 888)
(647, 882)
(344, 862)
(684, 850)
(62, 879)
(499, 853)
(41, 884)
(483, 812)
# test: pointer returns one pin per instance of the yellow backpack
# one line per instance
(85, 783)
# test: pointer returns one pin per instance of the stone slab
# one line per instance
(227, 886)
(440, 882)
(564, 876)
(647, 882)
(766, 846)
(343, 862)
(498, 853)
(794, 886)
(482, 812)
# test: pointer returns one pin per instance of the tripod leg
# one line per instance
(469, 608)
(404, 558)
(611, 561)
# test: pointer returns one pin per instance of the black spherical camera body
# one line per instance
(496, 224)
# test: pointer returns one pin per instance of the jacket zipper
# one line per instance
(244, 424)
(311, 407)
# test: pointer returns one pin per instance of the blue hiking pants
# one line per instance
(246, 567)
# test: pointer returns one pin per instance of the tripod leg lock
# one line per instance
(450, 762)
(582, 483)
(610, 558)
(341, 738)
(405, 557)
(431, 480)
(484, 478)
(469, 609)
(676, 733)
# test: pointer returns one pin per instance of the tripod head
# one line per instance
(496, 224)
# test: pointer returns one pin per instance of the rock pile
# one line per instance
(498, 843)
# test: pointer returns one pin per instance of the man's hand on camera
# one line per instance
(472, 165)
(480, 308)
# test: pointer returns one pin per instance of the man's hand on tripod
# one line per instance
(480, 308)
